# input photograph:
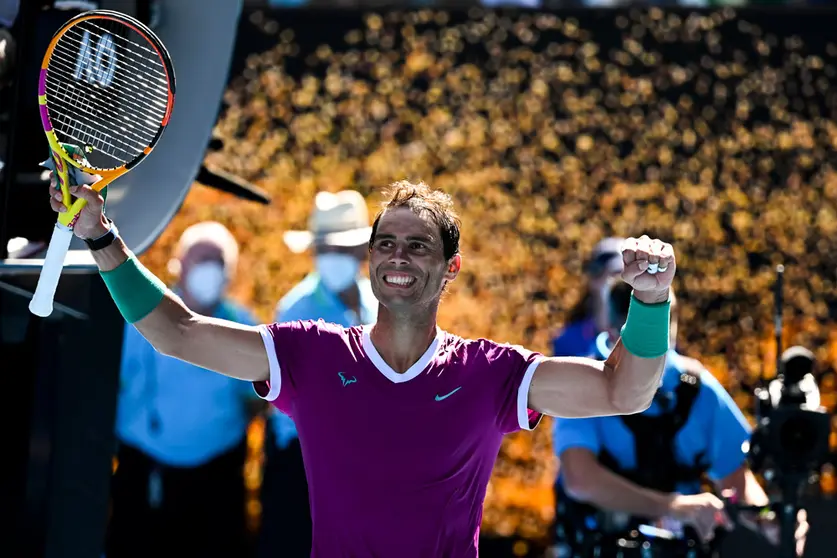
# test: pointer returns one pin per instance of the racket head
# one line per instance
(107, 86)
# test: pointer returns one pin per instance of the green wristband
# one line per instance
(646, 330)
(135, 290)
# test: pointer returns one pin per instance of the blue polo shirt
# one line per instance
(311, 300)
(576, 339)
(180, 414)
(715, 427)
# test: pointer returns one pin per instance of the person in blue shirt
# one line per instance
(588, 317)
(335, 292)
(178, 489)
(621, 472)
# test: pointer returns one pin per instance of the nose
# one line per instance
(399, 255)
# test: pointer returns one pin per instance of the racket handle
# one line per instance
(59, 245)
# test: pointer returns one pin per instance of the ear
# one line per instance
(454, 265)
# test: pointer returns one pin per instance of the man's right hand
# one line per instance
(705, 512)
(91, 221)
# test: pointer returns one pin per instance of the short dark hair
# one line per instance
(423, 200)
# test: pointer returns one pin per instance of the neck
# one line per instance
(402, 340)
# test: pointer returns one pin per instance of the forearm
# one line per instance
(164, 323)
(635, 366)
(632, 380)
(227, 347)
(608, 491)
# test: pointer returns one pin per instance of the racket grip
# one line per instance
(59, 245)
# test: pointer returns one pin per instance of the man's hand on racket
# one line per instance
(649, 268)
(91, 221)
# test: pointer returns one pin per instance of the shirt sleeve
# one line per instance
(575, 433)
(286, 344)
(517, 367)
(729, 429)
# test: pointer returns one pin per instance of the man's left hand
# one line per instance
(649, 267)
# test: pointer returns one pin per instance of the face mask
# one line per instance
(337, 271)
(205, 283)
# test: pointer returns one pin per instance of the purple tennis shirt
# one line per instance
(397, 464)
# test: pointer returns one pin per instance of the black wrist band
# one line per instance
(104, 240)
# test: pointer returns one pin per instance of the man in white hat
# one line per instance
(338, 236)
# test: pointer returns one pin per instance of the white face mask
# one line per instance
(337, 271)
(205, 282)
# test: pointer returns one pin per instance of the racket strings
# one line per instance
(136, 97)
(151, 77)
(117, 107)
(67, 65)
(105, 105)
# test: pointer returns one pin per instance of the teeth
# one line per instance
(402, 281)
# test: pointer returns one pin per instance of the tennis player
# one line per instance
(400, 422)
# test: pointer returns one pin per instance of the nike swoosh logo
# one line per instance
(443, 397)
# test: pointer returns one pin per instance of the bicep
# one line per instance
(572, 387)
(223, 346)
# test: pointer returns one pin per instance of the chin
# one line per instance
(395, 299)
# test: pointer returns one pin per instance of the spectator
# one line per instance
(589, 315)
(339, 235)
(179, 487)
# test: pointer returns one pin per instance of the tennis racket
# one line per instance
(106, 89)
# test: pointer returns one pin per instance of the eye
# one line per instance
(384, 243)
(417, 246)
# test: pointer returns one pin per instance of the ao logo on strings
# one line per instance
(97, 60)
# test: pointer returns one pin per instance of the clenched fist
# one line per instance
(649, 268)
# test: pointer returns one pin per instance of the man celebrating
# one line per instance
(400, 422)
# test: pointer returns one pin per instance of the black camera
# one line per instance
(790, 441)
(791, 437)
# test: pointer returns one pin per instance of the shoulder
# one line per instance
(310, 339)
(309, 328)
(491, 352)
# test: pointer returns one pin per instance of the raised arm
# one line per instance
(625, 383)
(223, 346)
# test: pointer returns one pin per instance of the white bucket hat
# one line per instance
(340, 219)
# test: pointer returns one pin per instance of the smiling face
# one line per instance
(407, 264)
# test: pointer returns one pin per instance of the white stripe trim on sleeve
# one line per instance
(523, 395)
(275, 371)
